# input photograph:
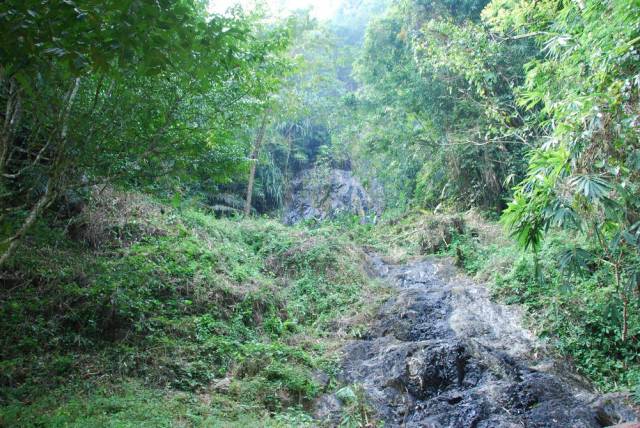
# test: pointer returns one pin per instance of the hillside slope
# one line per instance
(137, 314)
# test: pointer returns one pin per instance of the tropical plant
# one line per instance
(122, 92)
(585, 92)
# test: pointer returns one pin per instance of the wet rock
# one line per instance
(435, 368)
(613, 409)
(442, 354)
(327, 409)
(414, 317)
(453, 413)
(319, 195)
(563, 412)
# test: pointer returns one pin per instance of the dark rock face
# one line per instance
(442, 354)
(320, 195)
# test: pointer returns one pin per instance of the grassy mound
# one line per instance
(135, 313)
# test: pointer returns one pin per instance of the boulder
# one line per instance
(318, 194)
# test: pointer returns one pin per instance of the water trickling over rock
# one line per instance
(442, 354)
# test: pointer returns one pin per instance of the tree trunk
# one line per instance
(13, 242)
(289, 148)
(625, 318)
(11, 119)
(53, 183)
(254, 157)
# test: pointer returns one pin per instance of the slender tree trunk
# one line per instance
(11, 118)
(254, 157)
(289, 148)
(625, 318)
(625, 301)
(53, 183)
(35, 212)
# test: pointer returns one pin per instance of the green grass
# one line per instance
(131, 404)
(141, 320)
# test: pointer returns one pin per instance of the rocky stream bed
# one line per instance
(441, 353)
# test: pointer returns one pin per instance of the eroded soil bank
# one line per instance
(442, 354)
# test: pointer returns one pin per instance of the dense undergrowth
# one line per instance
(578, 311)
(137, 314)
(125, 311)
(133, 313)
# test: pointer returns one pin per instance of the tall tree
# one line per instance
(254, 158)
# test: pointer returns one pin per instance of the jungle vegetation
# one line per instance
(148, 150)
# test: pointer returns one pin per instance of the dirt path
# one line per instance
(442, 354)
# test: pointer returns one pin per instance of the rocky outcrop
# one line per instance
(323, 194)
(442, 354)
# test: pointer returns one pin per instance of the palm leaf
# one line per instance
(593, 187)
